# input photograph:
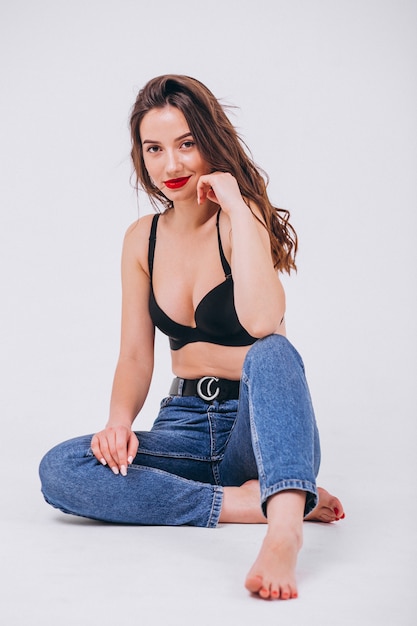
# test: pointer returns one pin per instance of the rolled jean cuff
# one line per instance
(216, 508)
(292, 483)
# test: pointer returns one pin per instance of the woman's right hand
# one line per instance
(115, 446)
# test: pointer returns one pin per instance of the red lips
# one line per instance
(177, 183)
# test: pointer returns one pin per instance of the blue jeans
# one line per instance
(196, 448)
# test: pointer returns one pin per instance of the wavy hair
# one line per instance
(222, 149)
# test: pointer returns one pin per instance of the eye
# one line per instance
(153, 149)
(188, 144)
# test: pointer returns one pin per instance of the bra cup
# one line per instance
(215, 317)
(216, 321)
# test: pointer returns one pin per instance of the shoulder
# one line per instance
(139, 229)
(136, 241)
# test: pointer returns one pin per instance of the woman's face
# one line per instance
(171, 157)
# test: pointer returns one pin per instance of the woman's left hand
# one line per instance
(221, 188)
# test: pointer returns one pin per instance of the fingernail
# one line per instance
(103, 461)
(336, 511)
(130, 460)
(123, 470)
(115, 470)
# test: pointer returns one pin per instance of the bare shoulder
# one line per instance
(136, 240)
(139, 229)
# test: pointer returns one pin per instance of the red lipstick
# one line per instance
(177, 183)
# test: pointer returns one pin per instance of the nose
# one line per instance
(173, 163)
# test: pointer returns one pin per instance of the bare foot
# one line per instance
(272, 576)
(328, 509)
(242, 505)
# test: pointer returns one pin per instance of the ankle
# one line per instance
(285, 512)
(241, 505)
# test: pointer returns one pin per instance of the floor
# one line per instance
(59, 569)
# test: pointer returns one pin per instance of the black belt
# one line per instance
(207, 388)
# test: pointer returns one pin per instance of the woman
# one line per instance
(236, 439)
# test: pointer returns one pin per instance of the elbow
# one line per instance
(263, 317)
(260, 328)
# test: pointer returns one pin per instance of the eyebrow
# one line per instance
(177, 138)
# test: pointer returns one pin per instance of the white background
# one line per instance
(326, 96)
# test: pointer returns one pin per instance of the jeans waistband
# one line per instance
(207, 388)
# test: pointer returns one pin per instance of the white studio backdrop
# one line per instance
(326, 96)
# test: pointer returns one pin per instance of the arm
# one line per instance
(259, 295)
(116, 445)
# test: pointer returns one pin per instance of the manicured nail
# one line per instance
(103, 461)
(336, 511)
(123, 470)
(115, 470)
(130, 460)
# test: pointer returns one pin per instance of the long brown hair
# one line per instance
(220, 146)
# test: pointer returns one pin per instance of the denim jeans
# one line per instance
(196, 448)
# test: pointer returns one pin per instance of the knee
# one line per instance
(51, 464)
(272, 345)
(270, 342)
(273, 350)
(51, 470)
(59, 467)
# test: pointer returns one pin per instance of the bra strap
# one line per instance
(152, 242)
(226, 267)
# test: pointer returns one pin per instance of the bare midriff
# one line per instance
(207, 359)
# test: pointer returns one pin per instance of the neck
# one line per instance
(191, 216)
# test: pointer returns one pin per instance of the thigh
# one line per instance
(75, 482)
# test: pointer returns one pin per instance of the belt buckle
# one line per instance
(205, 392)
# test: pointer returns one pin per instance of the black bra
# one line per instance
(215, 317)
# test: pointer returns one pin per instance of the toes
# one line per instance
(254, 584)
(286, 593)
(339, 512)
(326, 499)
(336, 506)
(329, 509)
(279, 592)
(283, 593)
